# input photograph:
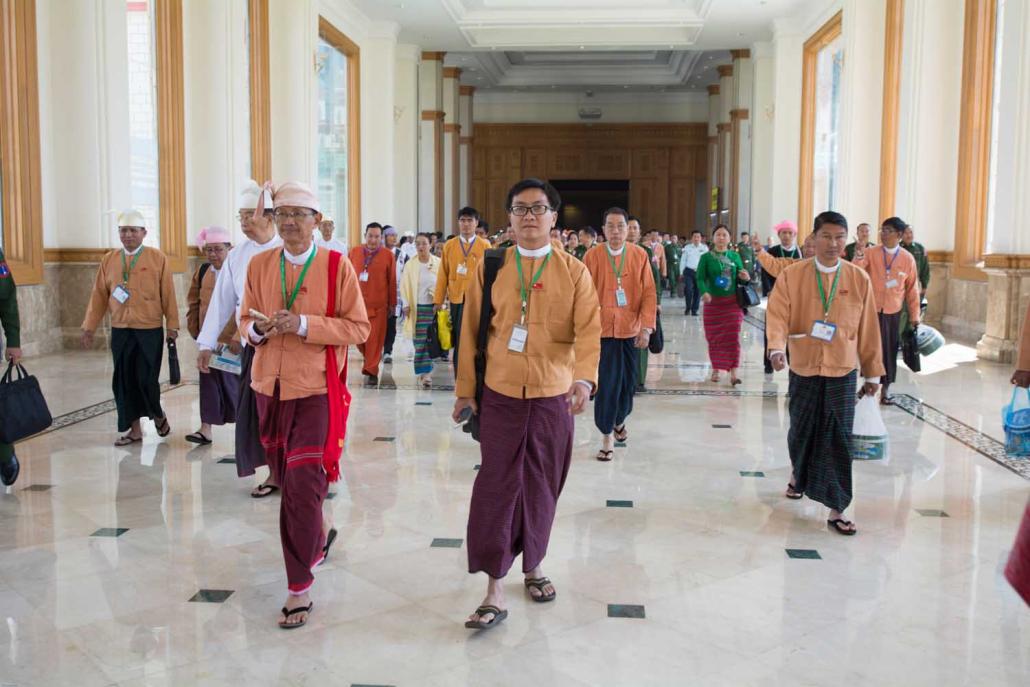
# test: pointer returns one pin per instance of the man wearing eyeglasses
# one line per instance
(135, 285)
(226, 300)
(461, 257)
(541, 356)
(302, 309)
(377, 276)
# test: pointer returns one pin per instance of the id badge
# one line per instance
(363, 276)
(517, 342)
(462, 269)
(892, 284)
(824, 331)
(722, 282)
(120, 293)
(620, 298)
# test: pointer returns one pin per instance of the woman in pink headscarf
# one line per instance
(218, 389)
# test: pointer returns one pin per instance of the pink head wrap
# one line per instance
(212, 235)
(295, 194)
(786, 225)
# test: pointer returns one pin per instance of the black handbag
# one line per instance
(656, 344)
(174, 372)
(910, 350)
(23, 410)
(493, 259)
(747, 295)
(433, 346)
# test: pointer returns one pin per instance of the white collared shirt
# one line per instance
(691, 256)
(297, 260)
(615, 253)
(827, 270)
(534, 252)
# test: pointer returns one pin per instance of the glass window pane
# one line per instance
(825, 176)
(142, 98)
(332, 133)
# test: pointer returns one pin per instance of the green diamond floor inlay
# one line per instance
(110, 532)
(620, 444)
(611, 503)
(383, 439)
(625, 611)
(227, 461)
(722, 426)
(752, 473)
(39, 487)
(441, 543)
(811, 554)
(211, 596)
(423, 403)
(932, 513)
(475, 467)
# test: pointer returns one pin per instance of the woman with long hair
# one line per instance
(717, 275)
(418, 283)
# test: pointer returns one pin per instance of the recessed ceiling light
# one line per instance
(582, 47)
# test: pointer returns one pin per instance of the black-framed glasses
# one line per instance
(283, 215)
(522, 210)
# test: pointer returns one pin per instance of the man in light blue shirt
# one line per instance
(691, 255)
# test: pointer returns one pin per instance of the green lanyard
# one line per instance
(522, 282)
(822, 291)
(127, 269)
(300, 279)
(622, 263)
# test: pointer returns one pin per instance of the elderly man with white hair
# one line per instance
(134, 284)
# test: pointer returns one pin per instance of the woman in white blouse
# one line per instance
(418, 282)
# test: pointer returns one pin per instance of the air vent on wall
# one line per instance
(589, 113)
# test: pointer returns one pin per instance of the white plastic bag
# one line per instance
(869, 441)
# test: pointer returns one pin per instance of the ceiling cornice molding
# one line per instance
(388, 30)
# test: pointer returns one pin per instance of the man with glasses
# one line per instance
(895, 278)
(377, 276)
(135, 285)
(626, 291)
(461, 257)
(541, 357)
(258, 225)
(219, 389)
(302, 309)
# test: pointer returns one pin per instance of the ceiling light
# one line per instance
(582, 47)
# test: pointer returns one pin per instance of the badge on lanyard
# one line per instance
(519, 335)
(824, 331)
(363, 276)
(120, 293)
(892, 284)
(620, 297)
(462, 269)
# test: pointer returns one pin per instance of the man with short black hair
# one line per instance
(587, 237)
(542, 353)
(377, 277)
(823, 310)
(461, 256)
(689, 259)
(860, 243)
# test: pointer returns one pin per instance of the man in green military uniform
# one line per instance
(861, 239)
(9, 467)
(672, 263)
(635, 235)
(746, 253)
(908, 242)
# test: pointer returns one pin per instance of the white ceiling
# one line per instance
(583, 44)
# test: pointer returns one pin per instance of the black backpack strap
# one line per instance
(493, 260)
(204, 267)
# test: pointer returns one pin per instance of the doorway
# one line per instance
(585, 200)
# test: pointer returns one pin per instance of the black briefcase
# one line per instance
(174, 373)
(433, 346)
(23, 410)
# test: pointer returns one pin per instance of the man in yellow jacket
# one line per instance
(461, 257)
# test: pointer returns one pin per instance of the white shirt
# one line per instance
(426, 283)
(332, 244)
(534, 252)
(615, 253)
(691, 256)
(227, 297)
(827, 270)
(894, 250)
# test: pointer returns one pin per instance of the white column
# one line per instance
(465, 146)
(743, 85)
(451, 134)
(294, 33)
(405, 118)
(762, 140)
(430, 210)
(786, 120)
(931, 78)
(861, 117)
(378, 69)
(217, 112)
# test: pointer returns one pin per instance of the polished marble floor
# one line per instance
(679, 563)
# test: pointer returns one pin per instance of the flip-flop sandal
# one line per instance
(499, 616)
(841, 526)
(889, 401)
(621, 434)
(125, 440)
(292, 626)
(163, 429)
(735, 382)
(329, 539)
(257, 493)
(604, 456)
(198, 438)
(793, 494)
(539, 583)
